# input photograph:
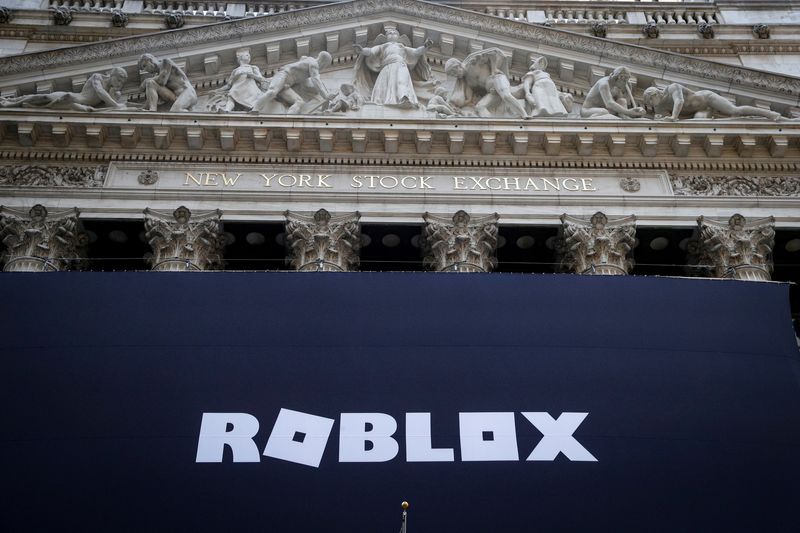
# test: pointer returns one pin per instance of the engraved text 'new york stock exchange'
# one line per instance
(277, 180)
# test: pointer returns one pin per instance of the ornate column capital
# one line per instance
(323, 242)
(734, 249)
(38, 241)
(183, 241)
(597, 245)
(460, 243)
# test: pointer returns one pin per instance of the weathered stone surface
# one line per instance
(322, 242)
(38, 241)
(181, 241)
(734, 249)
(596, 246)
(460, 244)
(737, 185)
(51, 176)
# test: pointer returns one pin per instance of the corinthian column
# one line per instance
(735, 249)
(182, 241)
(598, 245)
(38, 241)
(460, 244)
(322, 242)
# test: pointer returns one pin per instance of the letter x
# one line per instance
(557, 437)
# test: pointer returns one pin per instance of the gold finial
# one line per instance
(404, 505)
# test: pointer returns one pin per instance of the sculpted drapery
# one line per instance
(383, 73)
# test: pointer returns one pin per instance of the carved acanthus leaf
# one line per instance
(323, 242)
(597, 245)
(460, 243)
(36, 240)
(182, 241)
(733, 249)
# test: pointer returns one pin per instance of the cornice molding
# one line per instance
(628, 54)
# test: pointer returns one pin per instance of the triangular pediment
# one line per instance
(208, 52)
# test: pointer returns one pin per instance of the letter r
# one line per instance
(214, 436)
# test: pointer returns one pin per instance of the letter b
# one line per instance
(355, 434)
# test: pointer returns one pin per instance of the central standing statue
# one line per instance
(391, 59)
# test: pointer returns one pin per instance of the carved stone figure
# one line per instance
(40, 242)
(62, 16)
(761, 31)
(541, 93)
(610, 97)
(6, 15)
(597, 246)
(438, 103)
(323, 242)
(99, 91)
(736, 249)
(169, 83)
(599, 28)
(347, 99)
(651, 30)
(45, 176)
(391, 58)
(461, 244)
(243, 88)
(174, 20)
(295, 85)
(181, 241)
(706, 30)
(482, 78)
(119, 19)
(676, 101)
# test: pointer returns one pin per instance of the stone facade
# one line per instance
(385, 111)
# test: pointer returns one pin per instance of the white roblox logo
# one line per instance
(367, 438)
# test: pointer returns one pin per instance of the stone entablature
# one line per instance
(744, 139)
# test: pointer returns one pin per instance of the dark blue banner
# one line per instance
(302, 403)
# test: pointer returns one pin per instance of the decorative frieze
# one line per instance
(733, 249)
(703, 185)
(460, 244)
(322, 242)
(38, 241)
(596, 246)
(45, 176)
(181, 241)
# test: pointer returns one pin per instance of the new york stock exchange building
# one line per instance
(524, 266)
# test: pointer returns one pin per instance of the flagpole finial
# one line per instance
(404, 505)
